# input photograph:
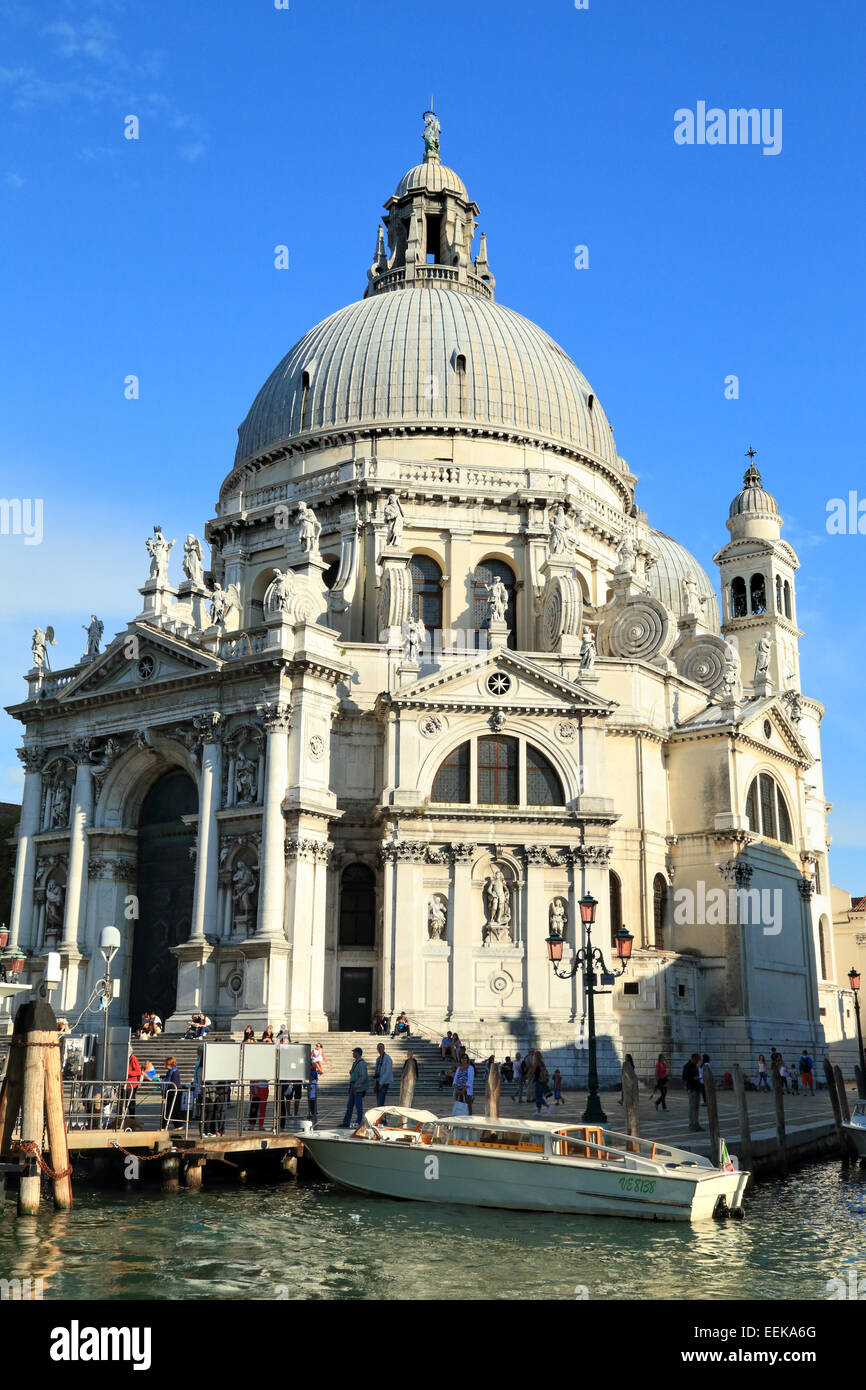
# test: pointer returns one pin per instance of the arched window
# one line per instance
(426, 592)
(615, 903)
(357, 906)
(329, 576)
(787, 599)
(485, 574)
(543, 787)
(822, 946)
(779, 608)
(497, 771)
(660, 899)
(305, 400)
(452, 779)
(738, 597)
(758, 594)
(767, 810)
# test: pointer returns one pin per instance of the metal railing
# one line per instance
(212, 1109)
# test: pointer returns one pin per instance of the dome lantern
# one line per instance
(431, 222)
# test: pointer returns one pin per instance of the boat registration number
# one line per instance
(638, 1184)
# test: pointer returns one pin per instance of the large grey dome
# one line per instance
(429, 357)
(666, 579)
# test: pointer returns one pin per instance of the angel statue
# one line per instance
(41, 641)
(309, 528)
(497, 602)
(393, 516)
(280, 592)
(221, 604)
(414, 633)
(94, 630)
(193, 561)
(159, 549)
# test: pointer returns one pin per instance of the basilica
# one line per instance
(441, 680)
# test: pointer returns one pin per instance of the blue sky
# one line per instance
(261, 126)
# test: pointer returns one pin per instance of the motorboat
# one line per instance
(856, 1127)
(525, 1165)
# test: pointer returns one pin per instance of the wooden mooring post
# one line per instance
(492, 1090)
(781, 1140)
(830, 1078)
(848, 1147)
(712, 1114)
(631, 1100)
(861, 1082)
(745, 1145)
(408, 1077)
(33, 1089)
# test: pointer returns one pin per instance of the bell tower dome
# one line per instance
(758, 590)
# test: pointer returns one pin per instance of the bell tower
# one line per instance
(759, 604)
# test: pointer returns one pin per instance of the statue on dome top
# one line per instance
(94, 630)
(432, 130)
(39, 645)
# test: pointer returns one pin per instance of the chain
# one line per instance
(143, 1158)
(29, 1146)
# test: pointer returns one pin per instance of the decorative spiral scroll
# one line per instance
(703, 663)
(561, 611)
(641, 630)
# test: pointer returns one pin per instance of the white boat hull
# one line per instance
(439, 1173)
(858, 1136)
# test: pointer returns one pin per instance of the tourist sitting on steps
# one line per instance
(401, 1027)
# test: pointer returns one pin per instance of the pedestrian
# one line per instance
(519, 1077)
(807, 1067)
(358, 1078)
(268, 1034)
(313, 1094)
(383, 1074)
(761, 1081)
(783, 1075)
(445, 1045)
(539, 1080)
(704, 1062)
(249, 1035)
(283, 1036)
(692, 1080)
(661, 1073)
(506, 1071)
(464, 1082)
(556, 1078)
(401, 1027)
(290, 1093)
(171, 1084)
(133, 1080)
(258, 1103)
(318, 1058)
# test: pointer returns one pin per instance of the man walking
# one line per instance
(357, 1088)
(383, 1074)
(806, 1067)
(692, 1080)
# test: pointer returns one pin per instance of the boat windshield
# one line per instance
(478, 1137)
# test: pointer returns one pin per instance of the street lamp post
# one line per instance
(588, 958)
(854, 978)
(109, 945)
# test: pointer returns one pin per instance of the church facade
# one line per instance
(442, 679)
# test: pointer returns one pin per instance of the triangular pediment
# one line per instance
(137, 660)
(504, 679)
(782, 736)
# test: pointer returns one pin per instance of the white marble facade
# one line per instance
(441, 679)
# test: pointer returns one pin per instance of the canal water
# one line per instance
(312, 1240)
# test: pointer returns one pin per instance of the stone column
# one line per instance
(204, 905)
(306, 893)
(21, 921)
(463, 926)
(389, 918)
(536, 992)
(277, 719)
(79, 819)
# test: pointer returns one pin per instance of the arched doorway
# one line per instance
(166, 873)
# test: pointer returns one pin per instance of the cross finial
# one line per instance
(751, 453)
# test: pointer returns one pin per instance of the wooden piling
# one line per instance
(781, 1141)
(193, 1174)
(55, 1122)
(492, 1090)
(830, 1078)
(745, 1145)
(39, 1027)
(712, 1115)
(630, 1100)
(408, 1077)
(10, 1096)
(170, 1166)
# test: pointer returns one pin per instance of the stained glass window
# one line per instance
(497, 771)
(452, 779)
(426, 592)
(543, 787)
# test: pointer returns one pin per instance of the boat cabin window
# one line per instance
(860, 1107)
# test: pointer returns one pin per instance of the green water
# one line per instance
(312, 1240)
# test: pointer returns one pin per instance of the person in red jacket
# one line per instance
(133, 1080)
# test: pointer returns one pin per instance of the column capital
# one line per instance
(79, 750)
(32, 756)
(208, 727)
(275, 716)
